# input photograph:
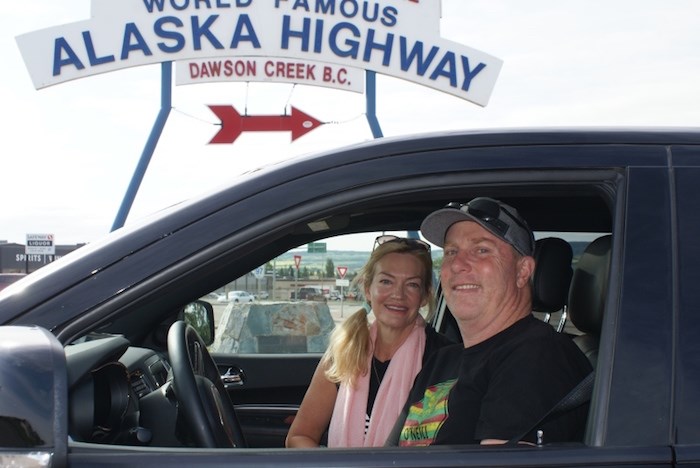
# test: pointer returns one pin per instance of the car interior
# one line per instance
(122, 370)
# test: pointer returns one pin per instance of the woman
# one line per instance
(367, 371)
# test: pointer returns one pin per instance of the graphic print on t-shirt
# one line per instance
(427, 416)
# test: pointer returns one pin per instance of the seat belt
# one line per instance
(581, 394)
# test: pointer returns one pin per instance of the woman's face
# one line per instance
(397, 290)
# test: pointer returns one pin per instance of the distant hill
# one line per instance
(353, 260)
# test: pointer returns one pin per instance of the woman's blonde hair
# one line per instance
(345, 358)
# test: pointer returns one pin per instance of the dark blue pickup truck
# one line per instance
(95, 358)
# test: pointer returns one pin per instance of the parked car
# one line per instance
(240, 296)
(354, 295)
(308, 293)
(262, 295)
(334, 295)
(97, 366)
(212, 297)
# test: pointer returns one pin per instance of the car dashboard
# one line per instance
(148, 371)
(114, 388)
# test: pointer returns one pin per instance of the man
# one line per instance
(512, 368)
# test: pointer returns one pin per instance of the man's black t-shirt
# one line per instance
(433, 342)
(496, 389)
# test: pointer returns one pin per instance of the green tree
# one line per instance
(330, 268)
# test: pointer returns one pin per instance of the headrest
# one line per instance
(552, 274)
(589, 286)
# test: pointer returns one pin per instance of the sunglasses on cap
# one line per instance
(414, 243)
(488, 211)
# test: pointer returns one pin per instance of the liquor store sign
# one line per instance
(316, 42)
(40, 244)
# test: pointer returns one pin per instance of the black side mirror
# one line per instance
(200, 315)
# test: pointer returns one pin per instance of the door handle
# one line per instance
(233, 377)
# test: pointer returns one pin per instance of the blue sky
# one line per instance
(69, 151)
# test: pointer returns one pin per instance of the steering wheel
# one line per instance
(201, 396)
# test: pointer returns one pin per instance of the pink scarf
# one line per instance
(347, 427)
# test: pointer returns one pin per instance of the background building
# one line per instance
(13, 258)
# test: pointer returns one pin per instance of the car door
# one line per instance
(279, 341)
(688, 349)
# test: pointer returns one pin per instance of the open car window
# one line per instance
(297, 298)
(292, 303)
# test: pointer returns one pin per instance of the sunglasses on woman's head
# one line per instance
(415, 243)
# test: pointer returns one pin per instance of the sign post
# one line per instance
(273, 41)
(297, 262)
(259, 273)
(342, 282)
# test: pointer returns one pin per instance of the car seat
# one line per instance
(552, 277)
(550, 282)
(589, 287)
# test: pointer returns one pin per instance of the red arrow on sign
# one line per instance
(233, 123)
